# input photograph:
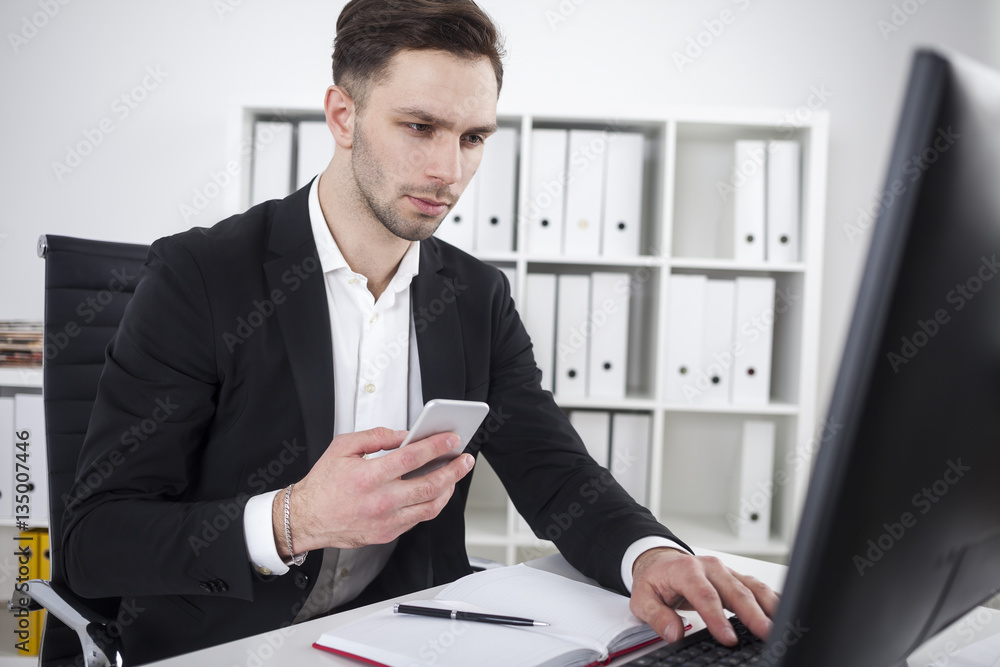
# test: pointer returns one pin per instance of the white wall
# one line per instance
(608, 57)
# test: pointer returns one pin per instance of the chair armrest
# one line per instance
(100, 648)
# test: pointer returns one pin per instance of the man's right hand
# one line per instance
(348, 501)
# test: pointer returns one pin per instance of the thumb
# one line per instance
(368, 442)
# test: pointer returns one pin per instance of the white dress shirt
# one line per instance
(376, 383)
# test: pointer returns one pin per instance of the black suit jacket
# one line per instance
(219, 385)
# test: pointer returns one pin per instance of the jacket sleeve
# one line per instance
(131, 528)
(565, 496)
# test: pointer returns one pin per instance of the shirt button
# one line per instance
(373, 318)
(352, 281)
(265, 571)
(370, 388)
(344, 572)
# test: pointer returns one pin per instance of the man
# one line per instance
(257, 346)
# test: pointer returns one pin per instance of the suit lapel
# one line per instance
(438, 327)
(294, 269)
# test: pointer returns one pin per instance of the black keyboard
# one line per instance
(701, 648)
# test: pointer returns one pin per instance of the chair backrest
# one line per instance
(87, 286)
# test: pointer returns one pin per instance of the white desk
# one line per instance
(293, 645)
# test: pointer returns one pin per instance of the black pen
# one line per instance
(454, 614)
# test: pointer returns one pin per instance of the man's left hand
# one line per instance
(665, 580)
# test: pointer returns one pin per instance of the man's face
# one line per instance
(418, 139)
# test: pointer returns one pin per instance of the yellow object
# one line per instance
(33, 563)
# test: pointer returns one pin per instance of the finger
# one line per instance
(430, 486)
(411, 515)
(658, 613)
(701, 596)
(418, 453)
(367, 442)
(737, 597)
(753, 601)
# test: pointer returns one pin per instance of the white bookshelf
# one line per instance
(687, 228)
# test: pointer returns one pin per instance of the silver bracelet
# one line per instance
(301, 558)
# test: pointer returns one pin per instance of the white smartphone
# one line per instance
(439, 416)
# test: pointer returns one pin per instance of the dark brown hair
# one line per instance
(371, 32)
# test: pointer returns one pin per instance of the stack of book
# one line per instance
(21, 343)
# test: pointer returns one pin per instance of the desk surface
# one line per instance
(293, 645)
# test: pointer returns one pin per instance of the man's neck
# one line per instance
(367, 246)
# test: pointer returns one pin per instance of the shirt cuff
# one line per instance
(638, 547)
(258, 531)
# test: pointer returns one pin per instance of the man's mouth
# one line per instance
(429, 206)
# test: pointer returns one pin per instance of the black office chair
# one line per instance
(84, 280)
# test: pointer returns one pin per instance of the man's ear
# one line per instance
(340, 115)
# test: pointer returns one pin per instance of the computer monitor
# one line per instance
(900, 531)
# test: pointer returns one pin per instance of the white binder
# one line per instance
(584, 193)
(6, 457)
(546, 192)
(459, 226)
(716, 370)
(609, 315)
(750, 507)
(272, 161)
(622, 219)
(29, 416)
(685, 324)
(754, 334)
(572, 336)
(594, 428)
(749, 200)
(497, 198)
(315, 145)
(540, 322)
(629, 462)
(783, 192)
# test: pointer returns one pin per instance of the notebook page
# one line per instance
(403, 640)
(569, 606)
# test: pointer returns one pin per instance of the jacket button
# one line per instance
(221, 586)
(301, 580)
(205, 586)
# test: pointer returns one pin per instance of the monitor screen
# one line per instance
(900, 532)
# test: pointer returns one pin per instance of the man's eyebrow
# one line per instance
(430, 119)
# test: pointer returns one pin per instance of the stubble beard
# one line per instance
(370, 178)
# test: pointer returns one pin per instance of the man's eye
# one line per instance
(418, 127)
(476, 139)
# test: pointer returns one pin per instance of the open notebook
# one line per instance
(588, 625)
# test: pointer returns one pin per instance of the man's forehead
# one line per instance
(460, 90)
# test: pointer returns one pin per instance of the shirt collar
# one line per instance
(330, 257)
